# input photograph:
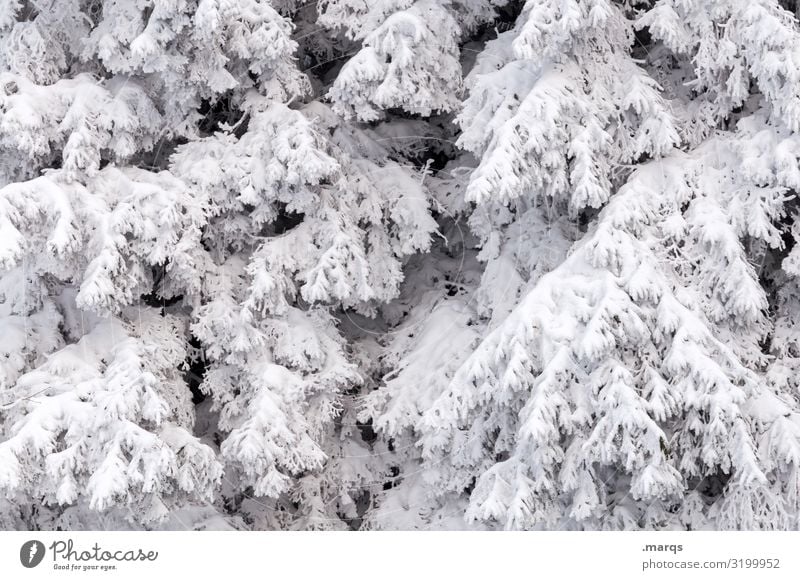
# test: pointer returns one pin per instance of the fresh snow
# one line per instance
(399, 264)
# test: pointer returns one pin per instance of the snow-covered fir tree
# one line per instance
(399, 264)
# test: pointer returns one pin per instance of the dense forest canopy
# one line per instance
(399, 264)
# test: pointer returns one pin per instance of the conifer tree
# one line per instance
(249, 237)
(627, 388)
(399, 264)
